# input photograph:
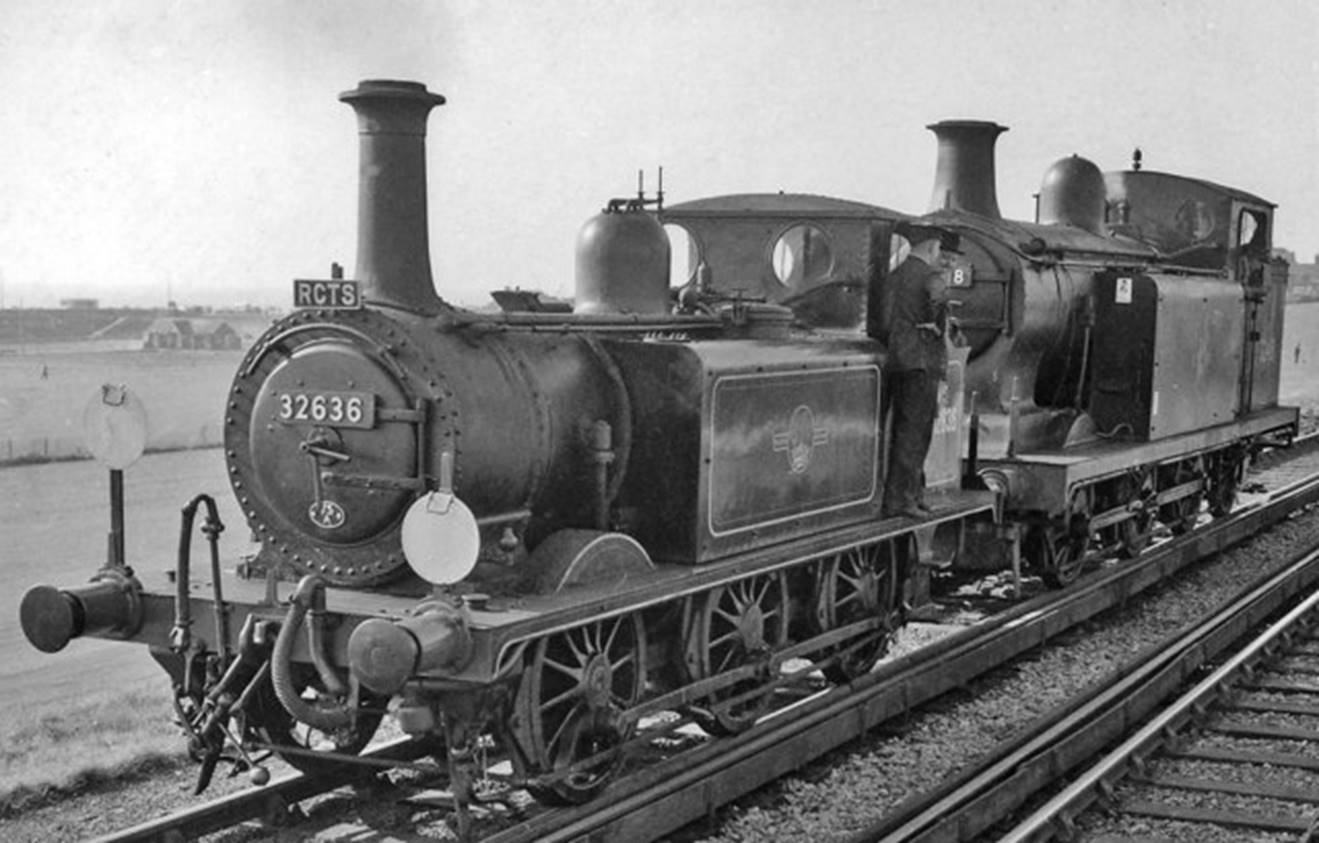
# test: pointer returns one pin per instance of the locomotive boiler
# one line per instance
(533, 526)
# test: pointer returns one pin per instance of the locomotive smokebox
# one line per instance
(1073, 193)
(964, 173)
(622, 263)
(393, 249)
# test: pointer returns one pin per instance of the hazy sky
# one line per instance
(197, 149)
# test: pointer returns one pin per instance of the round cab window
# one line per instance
(686, 255)
(802, 256)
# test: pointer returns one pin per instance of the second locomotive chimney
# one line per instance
(964, 174)
(393, 244)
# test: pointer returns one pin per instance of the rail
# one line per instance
(270, 803)
(1098, 781)
(1059, 743)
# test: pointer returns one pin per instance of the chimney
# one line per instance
(964, 174)
(393, 245)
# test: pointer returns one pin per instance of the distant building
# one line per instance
(80, 304)
(1302, 278)
(192, 334)
(216, 334)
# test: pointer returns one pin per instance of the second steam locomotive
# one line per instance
(544, 527)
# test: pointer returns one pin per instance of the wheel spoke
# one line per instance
(730, 618)
(574, 692)
(568, 722)
(608, 645)
(627, 658)
(730, 637)
(758, 589)
(573, 671)
(583, 651)
(731, 656)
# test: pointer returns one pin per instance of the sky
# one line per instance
(196, 151)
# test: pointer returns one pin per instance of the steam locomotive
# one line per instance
(1124, 348)
(545, 526)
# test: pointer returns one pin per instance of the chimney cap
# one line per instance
(979, 125)
(397, 88)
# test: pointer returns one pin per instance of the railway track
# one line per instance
(685, 786)
(1216, 728)
(1064, 742)
(272, 804)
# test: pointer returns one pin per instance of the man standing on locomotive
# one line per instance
(917, 317)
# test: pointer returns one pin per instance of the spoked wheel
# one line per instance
(304, 747)
(570, 704)
(1224, 481)
(1059, 549)
(858, 584)
(1181, 514)
(1056, 555)
(735, 625)
(1134, 533)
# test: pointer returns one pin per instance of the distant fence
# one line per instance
(19, 451)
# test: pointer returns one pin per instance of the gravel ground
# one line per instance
(840, 793)
(1100, 825)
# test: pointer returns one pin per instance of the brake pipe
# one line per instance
(181, 635)
(309, 596)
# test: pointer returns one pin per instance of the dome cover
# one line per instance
(1073, 194)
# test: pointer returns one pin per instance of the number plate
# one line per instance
(333, 409)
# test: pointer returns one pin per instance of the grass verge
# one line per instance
(106, 737)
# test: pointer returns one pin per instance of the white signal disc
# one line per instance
(440, 538)
(114, 426)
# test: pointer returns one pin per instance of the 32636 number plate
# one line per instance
(334, 409)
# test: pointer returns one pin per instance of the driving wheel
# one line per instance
(1058, 548)
(570, 706)
(735, 625)
(858, 584)
(1134, 533)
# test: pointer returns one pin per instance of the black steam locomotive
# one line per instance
(1124, 349)
(546, 526)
